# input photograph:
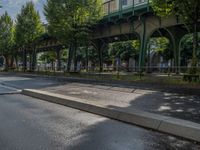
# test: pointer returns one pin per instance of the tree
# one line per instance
(188, 10)
(186, 53)
(1, 4)
(6, 37)
(125, 50)
(28, 29)
(71, 22)
(48, 57)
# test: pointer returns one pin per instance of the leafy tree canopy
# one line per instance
(6, 33)
(188, 10)
(125, 50)
(28, 25)
(72, 19)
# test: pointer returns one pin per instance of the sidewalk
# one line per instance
(180, 106)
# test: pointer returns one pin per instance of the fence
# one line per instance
(112, 69)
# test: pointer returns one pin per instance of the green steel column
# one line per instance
(133, 7)
(109, 10)
(176, 40)
(120, 8)
(177, 54)
(143, 45)
(132, 26)
(148, 5)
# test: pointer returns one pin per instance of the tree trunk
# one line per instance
(11, 65)
(30, 61)
(6, 63)
(149, 60)
(75, 56)
(195, 41)
(194, 52)
(70, 58)
(87, 59)
(16, 61)
(24, 60)
(58, 60)
(52, 65)
(100, 59)
(34, 60)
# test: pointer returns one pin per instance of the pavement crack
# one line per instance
(159, 125)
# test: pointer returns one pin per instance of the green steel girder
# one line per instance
(121, 37)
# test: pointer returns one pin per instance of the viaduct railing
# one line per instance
(118, 6)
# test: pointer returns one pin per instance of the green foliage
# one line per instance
(124, 50)
(188, 11)
(162, 7)
(187, 44)
(89, 53)
(71, 20)
(48, 57)
(6, 34)
(64, 55)
(51, 56)
(28, 25)
(161, 46)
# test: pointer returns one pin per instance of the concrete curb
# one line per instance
(11, 93)
(173, 126)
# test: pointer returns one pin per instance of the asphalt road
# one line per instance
(31, 124)
(25, 82)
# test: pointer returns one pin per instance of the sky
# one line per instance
(13, 7)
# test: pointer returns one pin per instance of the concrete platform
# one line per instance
(170, 125)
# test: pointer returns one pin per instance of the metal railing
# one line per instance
(112, 72)
(111, 69)
(112, 6)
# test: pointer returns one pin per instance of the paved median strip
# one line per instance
(173, 126)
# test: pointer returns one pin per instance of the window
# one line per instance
(124, 2)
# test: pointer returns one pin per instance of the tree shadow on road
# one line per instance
(168, 104)
(138, 139)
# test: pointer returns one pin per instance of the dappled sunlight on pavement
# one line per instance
(164, 103)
